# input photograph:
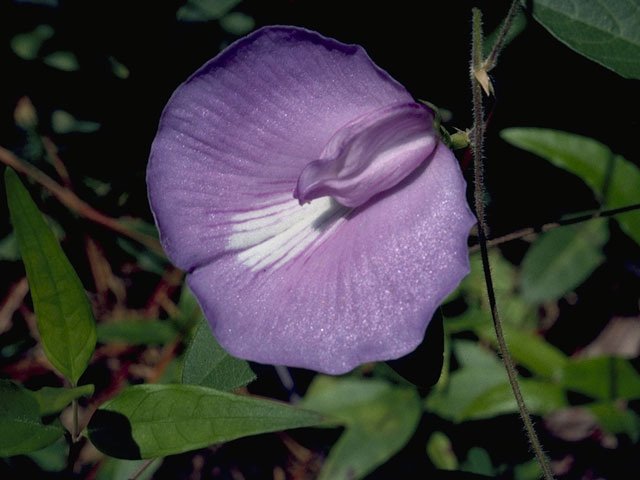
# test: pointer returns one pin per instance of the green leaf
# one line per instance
(65, 61)
(606, 32)
(206, 363)
(53, 400)
(604, 378)
(237, 23)
(147, 421)
(440, 452)
(137, 332)
(63, 312)
(52, 458)
(205, 10)
(528, 471)
(617, 419)
(478, 461)
(517, 27)
(530, 351)
(119, 69)
(116, 469)
(480, 370)
(540, 397)
(63, 122)
(380, 419)
(21, 430)
(562, 259)
(9, 248)
(603, 171)
(27, 45)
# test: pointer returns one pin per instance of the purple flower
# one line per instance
(319, 218)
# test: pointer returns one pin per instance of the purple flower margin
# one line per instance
(319, 218)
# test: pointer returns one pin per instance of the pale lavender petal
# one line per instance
(369, 155)
(238, 132)
(319, 285)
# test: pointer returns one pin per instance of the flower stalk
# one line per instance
(477, 143)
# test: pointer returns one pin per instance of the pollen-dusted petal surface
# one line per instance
(323, 285)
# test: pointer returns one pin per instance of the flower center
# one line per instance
(369, 155)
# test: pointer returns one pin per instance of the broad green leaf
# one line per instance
(64, 122)
(63, 312)
(147, 421)
(591, 161)
(606, 32)
(540, 397)
(616, 419)
(206, 363)
(21, 430)
(52, 458)
(480, 370)
(380, 419)
(27, 45)
(529, 350)
(65, 61)
(342, 398)
(603, 378)
(137, 332)
(53, 400)
(205, 10)
(562, 259)
(440, 452)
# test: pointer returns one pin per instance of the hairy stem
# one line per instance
(525, 232)
(492, 59)
(477, 143)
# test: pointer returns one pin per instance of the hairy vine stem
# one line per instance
(525, 232)
(477, 144)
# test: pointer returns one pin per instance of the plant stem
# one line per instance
(75, 434)
(142, 469)
(553, 225)
(73, 202)
(477, 143)
(492, 58)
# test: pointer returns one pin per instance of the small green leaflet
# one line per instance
(562, 259)
(206, 363)
(379, 418)
(147, 421)
(137, 332)
(541, 397)
(614, 179)
(607, 32)
(53, 400)
(21, 430)
(63, 312)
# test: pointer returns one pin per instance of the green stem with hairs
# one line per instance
(477, 144)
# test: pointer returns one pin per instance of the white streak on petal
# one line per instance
(274, 235)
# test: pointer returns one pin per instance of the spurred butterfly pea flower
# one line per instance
(320, 219)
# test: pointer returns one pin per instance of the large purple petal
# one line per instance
(241, 129)
(319, 285)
